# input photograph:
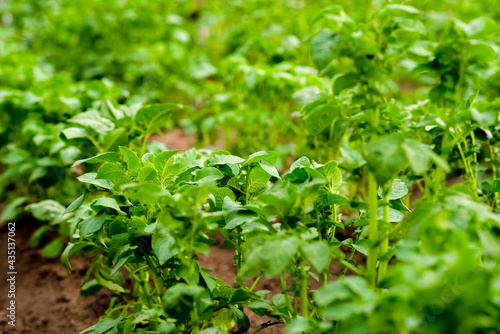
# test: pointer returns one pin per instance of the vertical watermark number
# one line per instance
(11, 273)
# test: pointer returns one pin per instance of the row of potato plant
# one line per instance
(146, 214)
(147, 218)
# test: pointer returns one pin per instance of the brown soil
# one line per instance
(175, 140)
(47, 297)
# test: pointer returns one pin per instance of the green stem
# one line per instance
(157, 280)
(284, 291)
(144, 281)
(474, 157)
(303, 290)
(384, 246)
(468, 168)
(239, 258)
(334, 218)
(256, 281)
(324, 278)
(145, 141)
(349, 264)
(373, 229)
(494, 173)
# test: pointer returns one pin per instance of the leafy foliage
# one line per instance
(330, 145)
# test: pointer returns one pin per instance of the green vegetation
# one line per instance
(341, 129)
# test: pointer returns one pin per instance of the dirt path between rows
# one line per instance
(47, 297)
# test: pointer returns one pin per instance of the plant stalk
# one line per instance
(373, 229)
(384, 246)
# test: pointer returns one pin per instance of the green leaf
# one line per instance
(270, 169)
(386, 157)
(280, 253)
(422, 48)
(297, 326)
(346, 81)
(306, 94)
(397, 10)
(480, 52)
(53, 249)
(152, 115)
(91, 119)
(38, 236)
(170, 173)
(11, 209)
(146, 174)
(332, 199)
(103, 157)
(362, 246)
(108, 283)
(235, 214)
(269, 157)
(273, 255)
(218, 195)
(485, 118)
(483, 26)
(105, 202)
(302, 162)
(91, 178)
(164, 159)
(258, 179)
(48, 210)
(75, 204)
(108, 105)
(201, 68)
(65, 256)
(394, 215)
(208, 172)
(167, 169)
(419, 157)
(163, 244)
(92, 224)
(496, 186)
(110, 171)
(319, 115)
(37, 173)
(132, 160)
(317, 253)
(213, 330)
(186, 159)
(397, 204)
(69, 154)
(323, 48)
(333, 175)
(90, 288)
(223, 159)
(73, 133)
(398, 190)
(106, 324)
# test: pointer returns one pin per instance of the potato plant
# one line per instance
(146, 219)
(358, 163)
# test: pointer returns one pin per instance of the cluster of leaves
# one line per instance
(38, 157)
(150, 217)
(404, 96)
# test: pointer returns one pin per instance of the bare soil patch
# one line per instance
(47, 297)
